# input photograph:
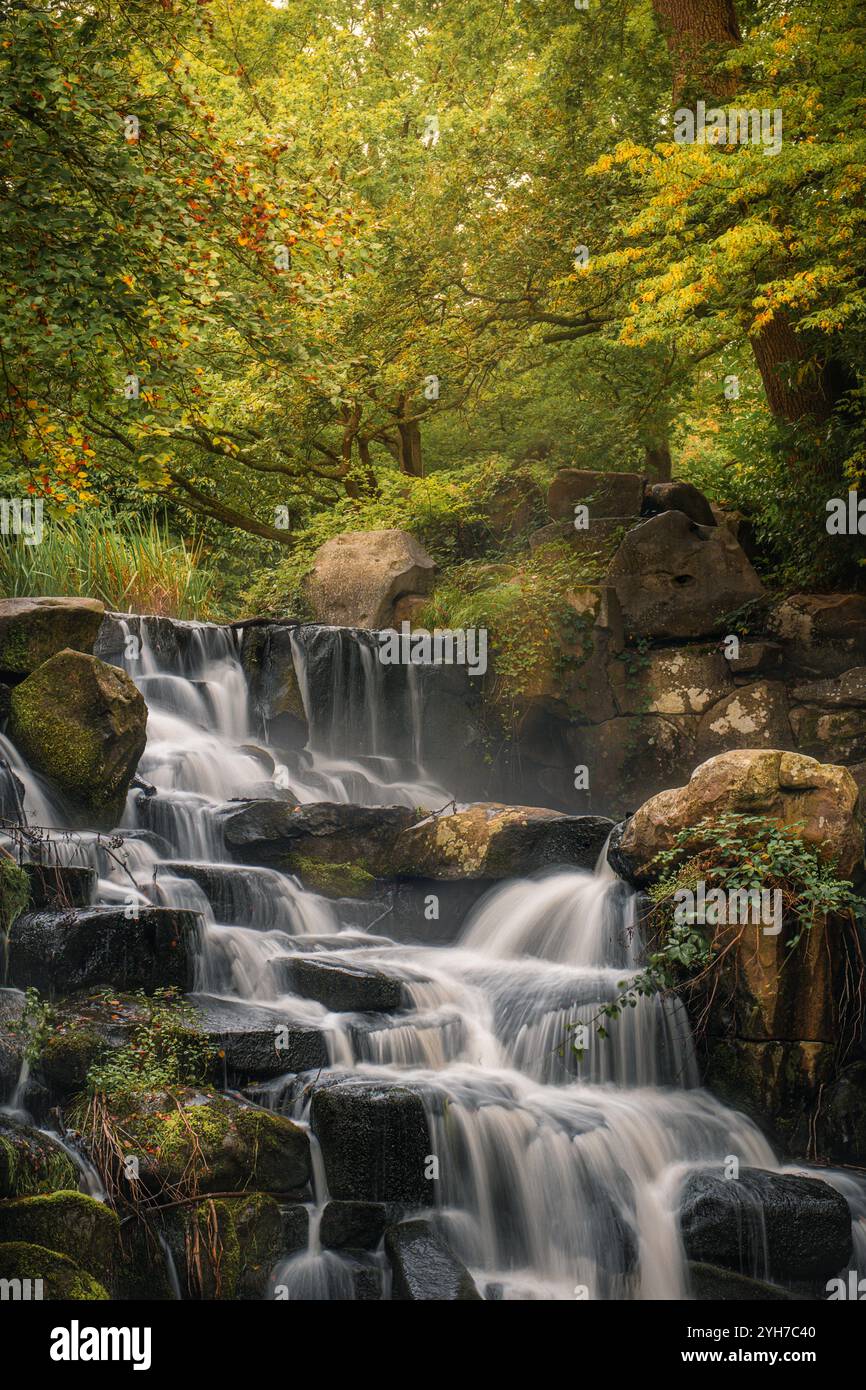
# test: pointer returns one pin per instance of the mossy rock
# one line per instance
(213, 1143)
(84, 1028)
(34, 629)
(332, 880)
(31, 1162)
(225, 1248)
(83, 725)
(68, 1222)
(62, 1279)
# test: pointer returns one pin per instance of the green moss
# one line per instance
(27, 1165)
(349, 880)
(68, 1222)
(61, 1277)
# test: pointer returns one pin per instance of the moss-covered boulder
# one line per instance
(51, 1275)
(225, 1248)
(83, 725)
(492, 841)
(34, 629)
(75, 1225)
(820, 798)
(32, 1162)
(200, 1141)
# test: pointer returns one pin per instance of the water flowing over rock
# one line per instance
(357, 577)
(82, 724)
(777, 1226)
(428, 1110)
(34, 629)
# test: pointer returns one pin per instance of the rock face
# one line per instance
(82, 724)
(800, 1226)
(424, 1268)
(357, 577)
(257, 1042)
(787, 787)
(753, 716)
(268, 661)
(62, 951)
(607, 495)
(61, 1278)
(492, 841)
(34, 629)
(677, 579)
(226, 1249)
(374, 1141)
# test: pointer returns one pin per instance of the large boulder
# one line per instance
(492, 841)
(85, 1230)
(273, 833)
(225, 1249)
(605, 494)
(375, 1141)
(424, 1268)
(678, 497)
(820, 798)
(34, 629)
(83, 725)
(341, 987)
(358, 576)
(677, 579)
(800, 1226)
(58, 952)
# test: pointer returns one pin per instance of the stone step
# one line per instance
(257, 1042)
(340, 987)
(59, 952)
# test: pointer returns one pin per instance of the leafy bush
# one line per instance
(445, 511)
(165, 1051)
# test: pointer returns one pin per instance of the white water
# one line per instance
(559, 1172)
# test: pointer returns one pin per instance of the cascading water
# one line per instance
(559, 1165)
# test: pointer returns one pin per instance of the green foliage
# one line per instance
(14, 891)
(729, 852)
(34, 1026)
(132, 565)
(165, 1050)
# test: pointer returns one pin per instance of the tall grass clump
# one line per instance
(132, 565)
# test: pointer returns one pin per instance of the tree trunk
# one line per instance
(657, 462)
(699, 33)
(780, 358)
(410, 448)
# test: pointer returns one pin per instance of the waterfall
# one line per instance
(560, 1153)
